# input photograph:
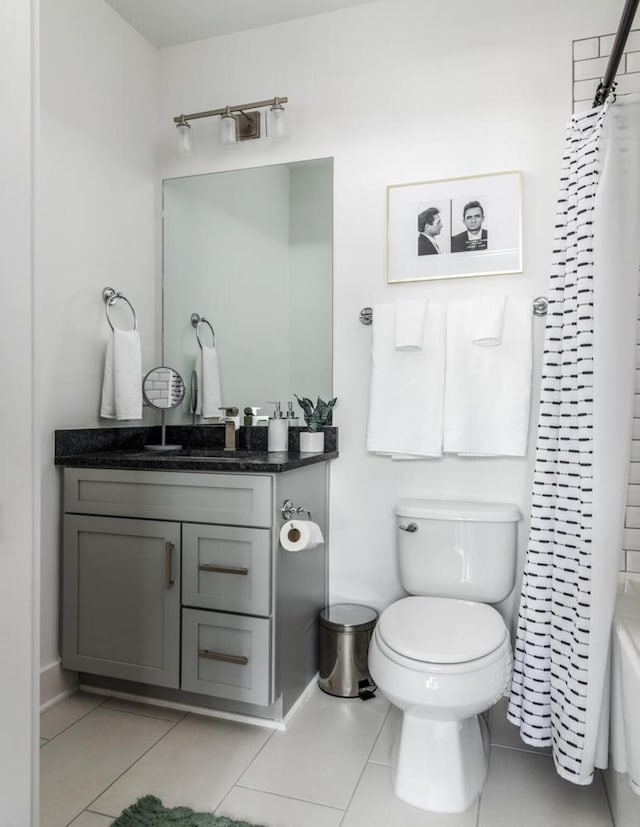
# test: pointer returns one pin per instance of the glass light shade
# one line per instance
(228, 131)
(276, 122)
(184, 140)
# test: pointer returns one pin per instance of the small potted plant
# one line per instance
(316, 417)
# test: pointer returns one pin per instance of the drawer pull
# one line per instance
(168, 564)
(240, 660)
(223, 569)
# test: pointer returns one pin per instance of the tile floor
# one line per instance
(329, 769)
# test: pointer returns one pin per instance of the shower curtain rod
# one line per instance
(624, 27)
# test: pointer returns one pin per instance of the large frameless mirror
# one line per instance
(252, 251)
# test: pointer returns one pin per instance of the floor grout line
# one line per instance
(139, 758)
(366, 762)
(242, 772)
(77, 721)
(288, 798)
(147, 715)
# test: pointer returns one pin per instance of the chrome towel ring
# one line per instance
(196, 321)
(110, 297)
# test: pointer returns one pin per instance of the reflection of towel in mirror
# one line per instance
(210, 397)
(122, 383)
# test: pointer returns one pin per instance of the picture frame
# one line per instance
(455, 227)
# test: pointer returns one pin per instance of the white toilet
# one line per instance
(444, 657)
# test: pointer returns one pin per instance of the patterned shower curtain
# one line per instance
(559, 655)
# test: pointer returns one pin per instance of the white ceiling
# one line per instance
(172, 22)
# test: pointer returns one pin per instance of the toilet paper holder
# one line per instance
(290, 510)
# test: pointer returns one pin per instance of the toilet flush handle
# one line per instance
(411, 528)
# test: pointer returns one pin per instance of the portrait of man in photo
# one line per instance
(473, 237)
(429, 226)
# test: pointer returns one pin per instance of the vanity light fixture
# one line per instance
(276, 120)
(237, 123)
(184, 140)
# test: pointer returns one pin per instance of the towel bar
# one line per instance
(196, 321)
(540, 305)
(110, 297)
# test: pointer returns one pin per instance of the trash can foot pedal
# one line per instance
(366, 690)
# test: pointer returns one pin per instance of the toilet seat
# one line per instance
(441, 630)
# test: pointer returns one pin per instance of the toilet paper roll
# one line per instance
(300, 535)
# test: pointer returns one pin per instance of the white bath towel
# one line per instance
(407, 387)
(210, 393)
(488, 389)
(409, 325)
(122, 382)
(488, 321)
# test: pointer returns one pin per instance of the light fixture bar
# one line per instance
(211, 112)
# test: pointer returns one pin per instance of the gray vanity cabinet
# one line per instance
(177, 579)
(121, 598)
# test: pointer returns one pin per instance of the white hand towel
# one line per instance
(409, 325)
(407, 387)
(210, 383)
(122, 383)
(488, 389)
(488, 321)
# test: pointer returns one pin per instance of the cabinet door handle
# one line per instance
(240, 660)
(223, 569)
(168, 564)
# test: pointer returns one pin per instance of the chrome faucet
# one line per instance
(229, 428)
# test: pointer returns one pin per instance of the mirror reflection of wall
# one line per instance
(252, 250)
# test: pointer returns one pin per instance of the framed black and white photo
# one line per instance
(454, 228)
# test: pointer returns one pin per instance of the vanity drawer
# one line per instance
(227, 656)
(227, 568)
(231, 499)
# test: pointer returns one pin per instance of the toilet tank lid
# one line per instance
(479, 512)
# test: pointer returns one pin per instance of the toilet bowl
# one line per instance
(442, 662)
(443, 654)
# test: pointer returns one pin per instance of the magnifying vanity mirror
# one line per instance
(163, 389)
(252, 251)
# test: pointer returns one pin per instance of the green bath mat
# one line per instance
(150, 812)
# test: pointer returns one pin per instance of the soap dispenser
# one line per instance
(292, 419)
(278, 436)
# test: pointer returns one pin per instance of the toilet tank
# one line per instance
(451, 548)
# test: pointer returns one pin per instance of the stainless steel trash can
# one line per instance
(345, 632)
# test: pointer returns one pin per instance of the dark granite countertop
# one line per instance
(202, 449)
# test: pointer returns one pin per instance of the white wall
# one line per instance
(398, 91)
(19, 506)
(96, 210)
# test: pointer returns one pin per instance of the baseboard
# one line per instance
(56, 683)
(205, 711)
(303, 697)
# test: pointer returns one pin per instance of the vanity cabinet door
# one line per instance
(226, 568)
(227, 656)
(121, 598)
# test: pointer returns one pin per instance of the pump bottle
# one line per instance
(278, 436)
